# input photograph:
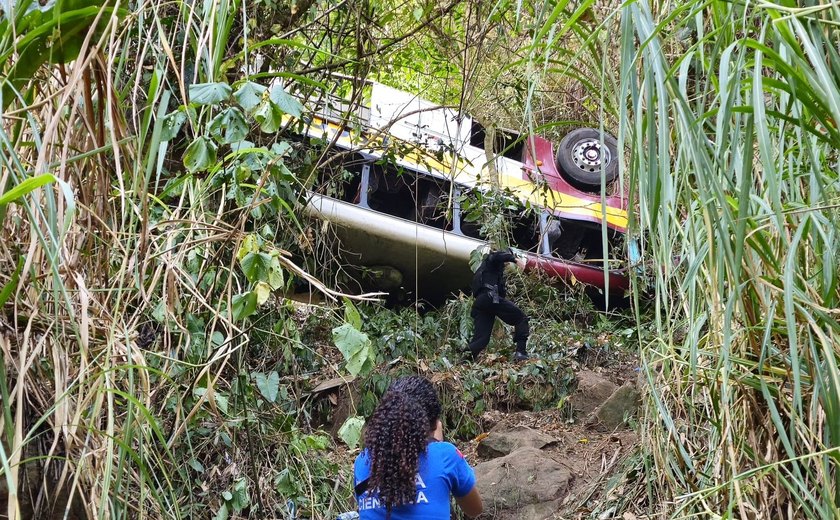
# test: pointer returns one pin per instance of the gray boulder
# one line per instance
(592, 390)
(525, 484)
(503, 440)
(623, 403)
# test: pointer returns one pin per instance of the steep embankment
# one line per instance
(551, 437)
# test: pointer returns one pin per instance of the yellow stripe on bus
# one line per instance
(526, 190)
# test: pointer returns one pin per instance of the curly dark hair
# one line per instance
(396, 436)
(423, 392)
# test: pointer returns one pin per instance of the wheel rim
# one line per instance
(588, 154)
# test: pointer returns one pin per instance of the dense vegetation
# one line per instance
(150, 201)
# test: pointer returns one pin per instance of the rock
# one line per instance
(539, 511)
(526, 477)
(502, 440)
(624, 402)
(592, 390)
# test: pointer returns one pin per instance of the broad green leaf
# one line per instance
(268, 116)
(283, 173)
(200, 155)
(241, 146)
(229, 126)
(26, 187)
(281, 148)
(240, 498)
(351, 314)
(286, 102)
(209, 93)
(284, 483)
(351, 431)
(317, 442)
(476, 257)
(275, 273)
(256, 266)
(356, 348)
(172, 124)
(263, 291)
(250, 244)
(222, 513)
(268, 385)
(219, 399)
(244, 305)
(249, 94)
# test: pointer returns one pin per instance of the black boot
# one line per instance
(520, 356)
(468, 356)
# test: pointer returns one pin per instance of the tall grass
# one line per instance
(734, 151)
(729, 115)
(106, 359)
(133, 385)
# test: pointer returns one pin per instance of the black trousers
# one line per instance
(484, 313)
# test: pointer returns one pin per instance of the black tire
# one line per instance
(579, 157)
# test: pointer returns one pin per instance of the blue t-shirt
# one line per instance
(443, 471)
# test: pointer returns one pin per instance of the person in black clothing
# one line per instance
(488, 289)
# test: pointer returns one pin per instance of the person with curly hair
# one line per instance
(406, 470)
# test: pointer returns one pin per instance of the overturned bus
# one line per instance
(409, 169)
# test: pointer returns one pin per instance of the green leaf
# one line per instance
(217, 338)
(221, 402)
(256, 266)
(351, 314)
(281, 148)
(275, 272)
(351, 431)
(268, 385)
(200, 155)
(241, 146)
(8, 289)
(229, 126)
(240, 495)
(249, 95)
(355, 346)
(316, 442)
(222, 513)
(172, 124)
(219, 399)
(244, 305)
(26, 187)
(476, 257)
(285, 484)
(196, 465)
(286, 102)
(209, 93)
(250, 244)
(263, 291)
(269, 116)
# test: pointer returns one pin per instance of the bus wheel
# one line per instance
(582, 155)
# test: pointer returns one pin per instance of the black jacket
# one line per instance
(491, 273)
